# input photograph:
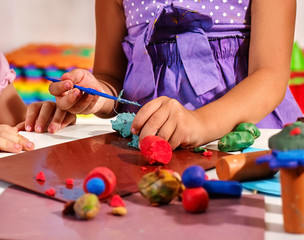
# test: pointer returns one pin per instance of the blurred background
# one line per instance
(46, 21)
(48, 37)
(64, 21)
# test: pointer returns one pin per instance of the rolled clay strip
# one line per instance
(242, 167)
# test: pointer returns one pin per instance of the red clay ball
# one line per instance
(195, 200)
(156, 149)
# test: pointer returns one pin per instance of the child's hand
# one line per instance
(11, 141)
(46, 116)
(72, 99)
(168, 119)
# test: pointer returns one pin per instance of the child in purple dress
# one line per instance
(38, 116)
(199, 67)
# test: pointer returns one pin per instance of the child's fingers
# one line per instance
(176, 138)
(32, 114)
(21, 126)
(155, 123)
(38, 116)
(59, 89)
(11, 141)
(9, 146)
(13, 136)
(26, 144)
(69, 119)
(83, 102)
(60, 120)
(167, 130)
(144, 114)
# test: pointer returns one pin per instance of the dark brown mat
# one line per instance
(77, 158)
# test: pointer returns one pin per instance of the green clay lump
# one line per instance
(241, 137)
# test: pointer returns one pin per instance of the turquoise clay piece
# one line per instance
(134, 142)
(122, 124)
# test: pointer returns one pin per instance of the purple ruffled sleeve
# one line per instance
(7, 75)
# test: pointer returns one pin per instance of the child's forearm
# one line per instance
(13, 108)
(250, 101)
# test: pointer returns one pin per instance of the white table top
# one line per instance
(91, 126)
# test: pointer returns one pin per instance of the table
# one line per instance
(87, 127)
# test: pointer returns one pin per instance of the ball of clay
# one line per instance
(96, 185)
(193, 176)
(87, 206)
(160, 186)
(195, 200)
(107, 176)
(156, 149)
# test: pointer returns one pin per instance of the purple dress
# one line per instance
(194, 51)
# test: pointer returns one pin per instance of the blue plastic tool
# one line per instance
(101, 94)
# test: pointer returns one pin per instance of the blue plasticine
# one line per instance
(283, 159)
(96, 186)
(193, 176)
(223, 188)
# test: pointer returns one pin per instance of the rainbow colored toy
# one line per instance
(33, 62)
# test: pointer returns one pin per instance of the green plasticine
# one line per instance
(297, 58)
(284, 141)
(248, 127)
(199, 149)
(241, 137)
(235, 141)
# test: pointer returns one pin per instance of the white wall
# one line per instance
(46, 21)
(64, 21)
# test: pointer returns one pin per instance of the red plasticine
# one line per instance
(143, 168)
(69, 181)
(195, 200)
(40, 176)
(50, 192)
(156, 149)
(295, 131)
(106, 175)
(117, 201)
(207, 154)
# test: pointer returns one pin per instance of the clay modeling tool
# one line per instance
(101, 94)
